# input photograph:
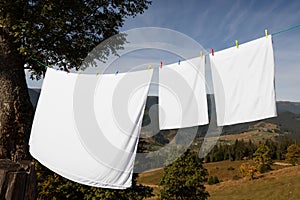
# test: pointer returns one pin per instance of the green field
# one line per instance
(281, 183)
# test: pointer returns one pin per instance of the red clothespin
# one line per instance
(212, 51)
(160, 64)
(68, 71)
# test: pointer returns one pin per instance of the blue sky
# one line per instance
(217, 24)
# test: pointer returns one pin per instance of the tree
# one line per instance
(53, 32)
(293, 154)
(249, 169)
(262, 158)
(184, 179)
(53, 186)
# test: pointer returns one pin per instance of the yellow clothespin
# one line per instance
(266, 33)
(201, 54)
(149, 67)
(237, 43)
(97, 73)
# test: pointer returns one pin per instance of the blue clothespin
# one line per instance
(178, 61)
(116, 72)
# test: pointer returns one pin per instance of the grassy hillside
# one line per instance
(281, 183)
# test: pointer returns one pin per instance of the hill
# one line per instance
(280, 184)
(287, 122)
(283, 106)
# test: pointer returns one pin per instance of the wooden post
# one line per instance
(17, 180)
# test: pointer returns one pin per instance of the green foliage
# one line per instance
(213, 180)
(237, 151)
(63, 32)
(262, 158)
(53, 186)
(184, 179)
(293, 154)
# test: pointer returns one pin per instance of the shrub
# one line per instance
(213, 180)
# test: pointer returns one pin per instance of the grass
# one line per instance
(281, 183)
(150, 178)
(222, 171)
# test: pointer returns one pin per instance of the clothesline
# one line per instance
(201, 52)
(286, 29)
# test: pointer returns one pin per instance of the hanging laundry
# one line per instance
(182, 95)
(86, 127)
(243, 80)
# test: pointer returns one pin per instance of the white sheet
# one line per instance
(182, 94)
(86, 127)
(243, 80)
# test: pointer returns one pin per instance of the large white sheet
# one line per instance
(86, 127)
(243, 80)
(182, 94)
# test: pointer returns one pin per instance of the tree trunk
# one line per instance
(16, 111)
(16, 180)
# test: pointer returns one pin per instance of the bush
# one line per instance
(213, 180)
(52, 186)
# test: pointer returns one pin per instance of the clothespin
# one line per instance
(116, 72)
(201, 54)
(97, 73)
(266, 33)
(78, 73)
(160, 64)
(67, 70)
(212, 51)
(149, 67)
(178, 61)
(237, 43)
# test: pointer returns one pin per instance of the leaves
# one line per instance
(249, 169)
(184, 179)
(63, 32)
(53, 186)
(293, 154)
(262, 158)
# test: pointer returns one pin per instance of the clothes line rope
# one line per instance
(273, 34)
(286, 29)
